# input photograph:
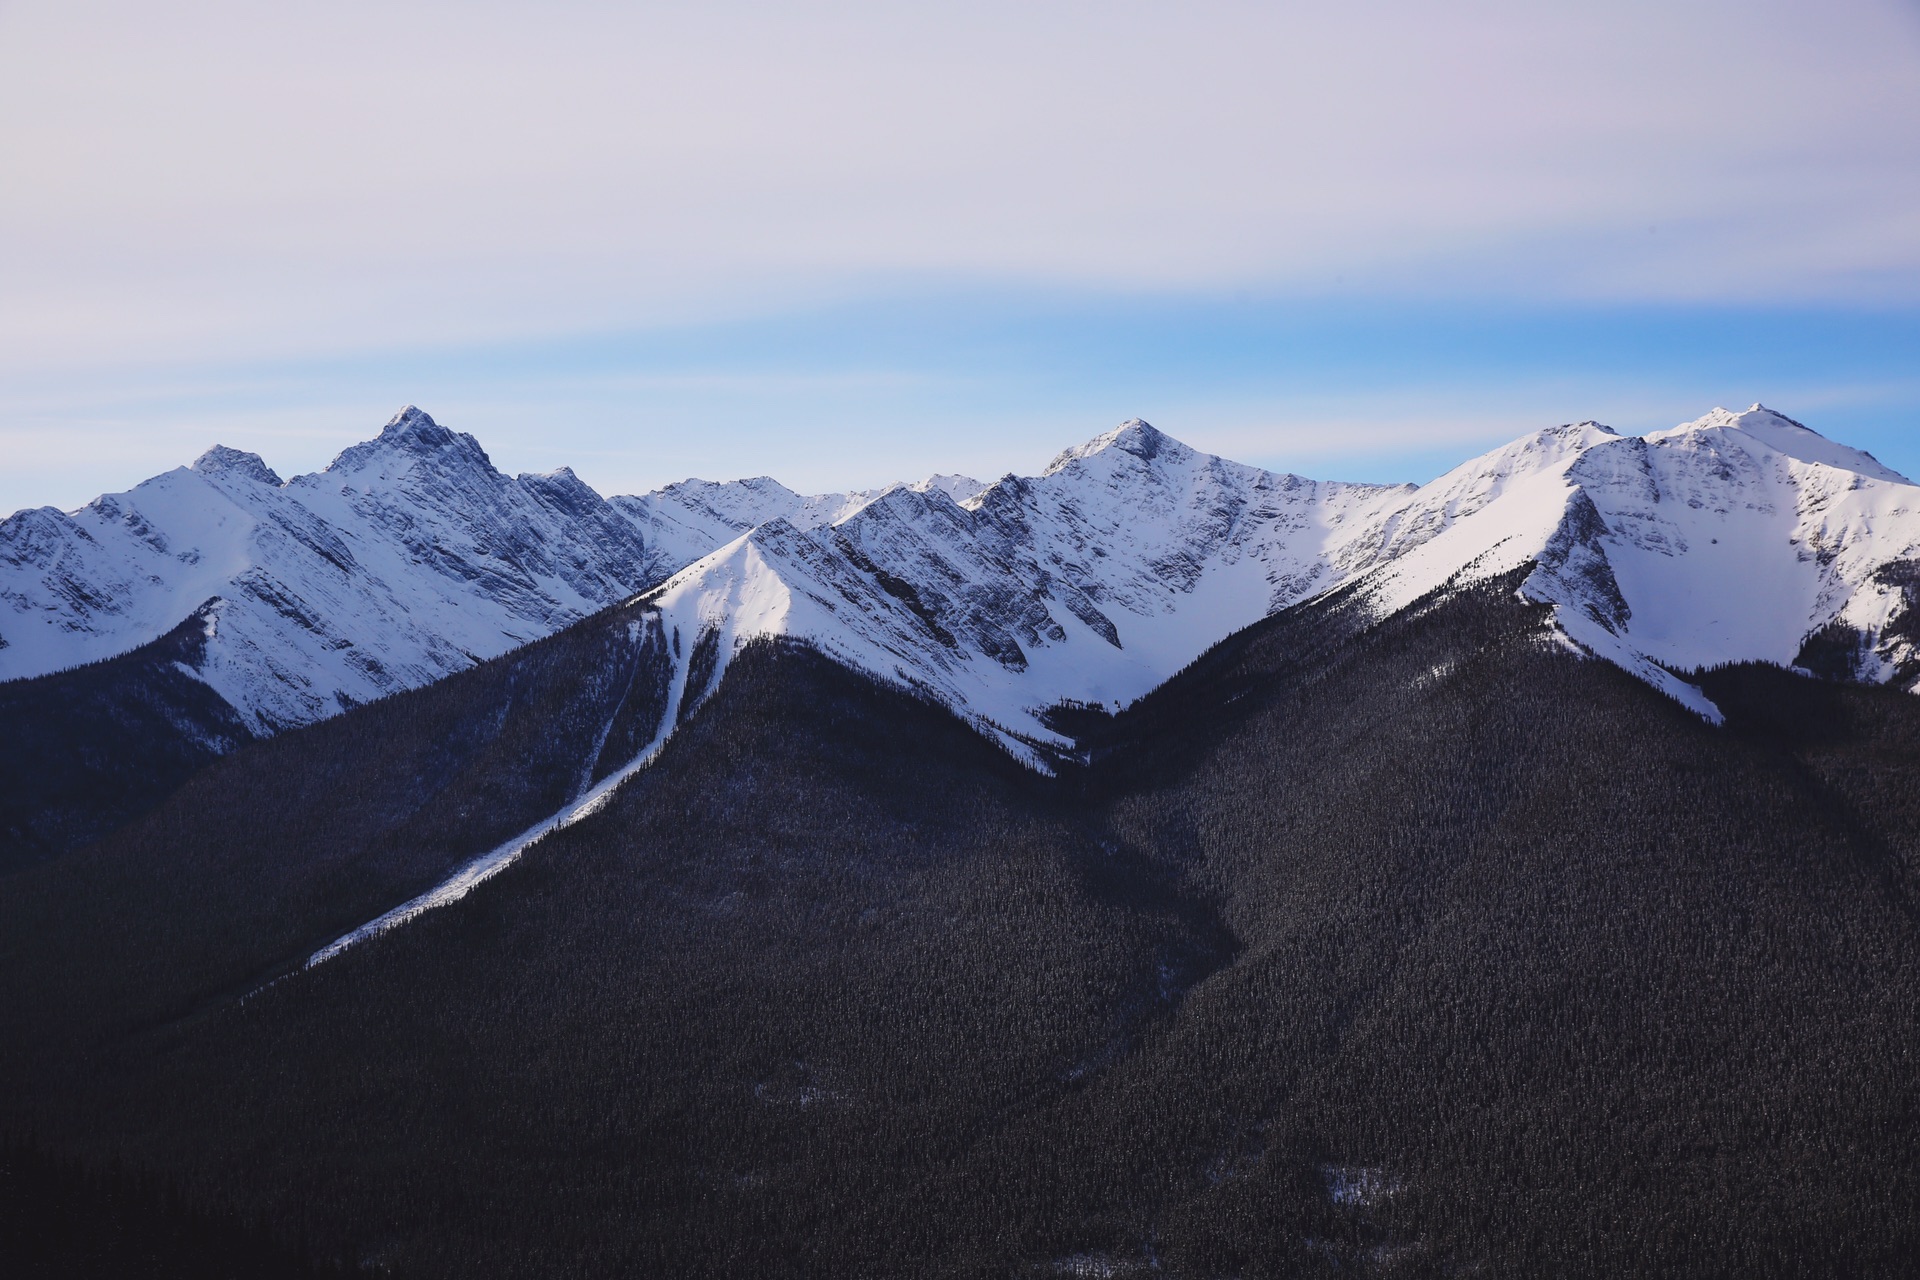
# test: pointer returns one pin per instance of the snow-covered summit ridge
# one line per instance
(1738, 536)
(409, 557)
(1784, 435)
(1092, 582)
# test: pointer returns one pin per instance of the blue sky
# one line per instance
(867, 242)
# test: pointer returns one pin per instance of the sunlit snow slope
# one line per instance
(1737, 537)
(409, 558)
(1091, 583)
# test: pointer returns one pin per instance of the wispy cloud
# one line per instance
(255, 180)
(833, 241)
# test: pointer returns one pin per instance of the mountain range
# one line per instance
(1156, 865)
(411, 557)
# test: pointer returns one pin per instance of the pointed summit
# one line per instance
(409, 434)
(414, 429)
(1135, 436)
(222, 461)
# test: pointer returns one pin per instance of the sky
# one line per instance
(845, 244)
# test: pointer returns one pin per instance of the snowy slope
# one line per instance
(1090, 583)
(408, 558)
(1737, 537)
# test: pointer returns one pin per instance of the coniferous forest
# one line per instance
(1423, 948)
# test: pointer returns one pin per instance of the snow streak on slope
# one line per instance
(1740, 536)
(1735, 537)
(593, 797)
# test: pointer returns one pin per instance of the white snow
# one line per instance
(962, 489)
(1783, 435)
(472, 874)
(1730, 538)
(1727, 539)
(407, 559)
(1011, 593)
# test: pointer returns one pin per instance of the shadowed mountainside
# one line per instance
(1418, 949)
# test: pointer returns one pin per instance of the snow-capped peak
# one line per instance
(1135, 437)
(1736, 537)
(1536, 451)
(1783, 435)
(220, 461)
(410, 558)
(411, 422)
(1092, 583)
(410, 437)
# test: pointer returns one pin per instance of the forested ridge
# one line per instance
(89, 748)
(1423, 948)
(63, 1221)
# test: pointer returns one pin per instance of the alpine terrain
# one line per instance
(1157, 865)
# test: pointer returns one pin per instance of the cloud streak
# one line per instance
(257, 180)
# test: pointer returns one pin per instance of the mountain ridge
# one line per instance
(410, 556)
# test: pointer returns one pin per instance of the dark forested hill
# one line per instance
(85, 750)
(263, 856)
(1418, 949)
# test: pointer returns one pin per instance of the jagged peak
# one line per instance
(1781, 434)
(1135, 436)
(414, 428)
(222, 461)
(410, 415)
(412, 432)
